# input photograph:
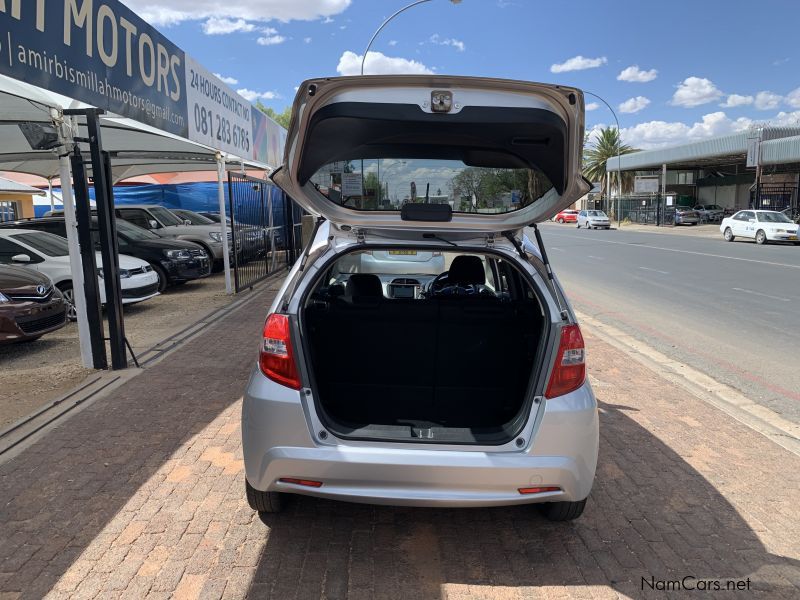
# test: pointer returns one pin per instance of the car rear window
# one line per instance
(388, 184)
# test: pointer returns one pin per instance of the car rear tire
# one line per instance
(761, 237)
(69, 298)
(163, 282)
(578, 225)
(263, 502)
(563, 511)
(561, 221)
(728, 235)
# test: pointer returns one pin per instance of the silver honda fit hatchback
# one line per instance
(384, 382)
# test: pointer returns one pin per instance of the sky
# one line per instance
(674, 72)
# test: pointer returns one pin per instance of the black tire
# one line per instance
(728, 235)
(563, 511)
(163, 281)
(263, 502)
(761, 237)
(578, 225)
(65, 287)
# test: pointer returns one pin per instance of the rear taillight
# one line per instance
(569, 371)
(276, 358)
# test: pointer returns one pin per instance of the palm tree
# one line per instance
(605, 147)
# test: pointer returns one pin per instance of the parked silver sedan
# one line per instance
(593, 219)
(468, 389)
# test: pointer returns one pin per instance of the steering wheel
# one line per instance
(437, 283)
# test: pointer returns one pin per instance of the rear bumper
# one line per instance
(277, 444)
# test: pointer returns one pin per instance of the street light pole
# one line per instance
(386, 22)
(619, 147)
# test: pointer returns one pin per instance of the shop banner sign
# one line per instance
(101, 53)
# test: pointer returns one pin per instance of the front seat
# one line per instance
(466, 271)
(363, 287)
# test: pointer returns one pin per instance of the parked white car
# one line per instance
(760, 225)
(49, 254)
(463, 388)
(593, 219)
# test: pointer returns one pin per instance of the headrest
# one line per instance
(361, 285)
(466, 270)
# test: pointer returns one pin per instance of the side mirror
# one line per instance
(187, 222)
(21, 258)
(153, 224)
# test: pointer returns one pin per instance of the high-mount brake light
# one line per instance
(276, 358)
(569, 372)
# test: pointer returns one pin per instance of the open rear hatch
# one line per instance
(429, 152)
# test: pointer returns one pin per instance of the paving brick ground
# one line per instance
(141, 495)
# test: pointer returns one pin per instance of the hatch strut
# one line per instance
(546, 262)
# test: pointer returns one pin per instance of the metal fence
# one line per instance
(8, 211)
(774, 196)
(264, 225)
(647, 210)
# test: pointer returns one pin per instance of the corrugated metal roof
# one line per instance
(717, 147)
(12, 187)
(782, 151)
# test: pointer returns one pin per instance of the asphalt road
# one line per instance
(731, 310)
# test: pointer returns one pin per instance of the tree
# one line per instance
(282, 118)
(605, 146)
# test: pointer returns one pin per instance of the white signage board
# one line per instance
(352, 185)
(753, 151)
(218, 116)
(645, 185)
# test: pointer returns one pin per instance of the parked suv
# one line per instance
(30, 305)
(466, 388)
(165, 224)
(174, 261)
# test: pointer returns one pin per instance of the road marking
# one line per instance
(764, 295)
(644, 245)
(595, 257)
(554, 248)
(654, 270)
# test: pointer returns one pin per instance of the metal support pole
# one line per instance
(90, 289)
(75, 262)
(50, 192)
(226, 261)
(107, 226)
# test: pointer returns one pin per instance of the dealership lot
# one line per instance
(146, 498)
(37, 373)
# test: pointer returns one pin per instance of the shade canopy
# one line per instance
(135, 148)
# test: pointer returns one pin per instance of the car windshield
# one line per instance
(46, 243)
(166, 217)
(388, 184)
(194, 218)
(773, 217)
(596, 213)
(134, 232)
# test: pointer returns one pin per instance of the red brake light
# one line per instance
(569, 371)
(276, 359)
(538, 490)
(304, 482)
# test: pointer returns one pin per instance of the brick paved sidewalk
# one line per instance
(141, 494)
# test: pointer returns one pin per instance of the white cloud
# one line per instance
(655, 134)
(271, 37)
(592, 106)
(154, 11)
(379, 63)
(252, 96)
(694, 91)
(393, 42)
(634, 105)
(737, 100)
(228, 80)
(767, 101)
(307, 40)
(328, 20)
(786, 119)
(457, 44)
(793, 98)
(578, 63)
(215, 26)
(635, 74)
